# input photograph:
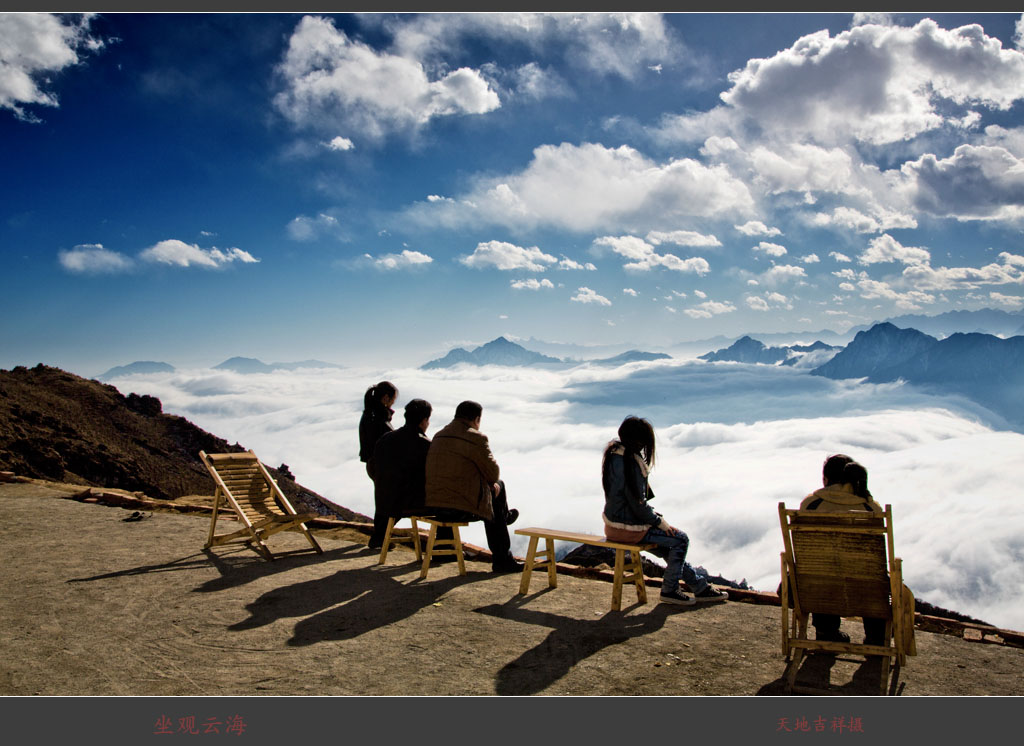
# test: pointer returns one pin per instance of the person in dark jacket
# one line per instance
(629, 519)
(399, 464)
(376, 421)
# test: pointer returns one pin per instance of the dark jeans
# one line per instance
(672, 548)
(828, 624)
(498, 540)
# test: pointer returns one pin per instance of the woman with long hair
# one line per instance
(376, 420)
(628, 518)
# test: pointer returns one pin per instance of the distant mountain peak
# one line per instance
(498, 351)
(138, 367)
(746, 349)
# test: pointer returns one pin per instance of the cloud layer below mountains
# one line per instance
(733, 441)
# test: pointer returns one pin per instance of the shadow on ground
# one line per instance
(816, 671)
(571, 640)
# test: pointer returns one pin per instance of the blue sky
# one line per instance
(379, 188)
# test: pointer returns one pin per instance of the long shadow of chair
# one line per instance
(346, 604)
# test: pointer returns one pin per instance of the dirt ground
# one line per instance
(93, 605)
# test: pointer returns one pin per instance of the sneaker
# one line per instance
(837, 636)
(874, 641)
(508, 566)
(710, 595)
(512, 517)
(677, 597)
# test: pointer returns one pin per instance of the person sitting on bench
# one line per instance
(462, 483)
(630, 520)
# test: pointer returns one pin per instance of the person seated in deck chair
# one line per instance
(630, 520)
(463, 484)
(845, 488)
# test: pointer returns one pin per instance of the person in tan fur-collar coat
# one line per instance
(462, 483)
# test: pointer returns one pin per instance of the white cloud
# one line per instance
(329, 79)
(839, 257)
(438, 198)
(567, 263)
(629, 291)
(709, 308)
(885, 248)
(850, 218)
(644, 258)
(768, 301)
(94, 259)
(810, 259)
(682, 238)
(911, 300)
(305, 228)
(771, 249)
(700, 294)
(923, 453)
(532, 284)
(1018, 33)
(32, 47)
(1009, 270)
(531, 81)
(782, 273)
(586, 295)
(897, 83)
(975, 183)
(621, 44)
(801, 168)
(339, 143)
(406, 260)
(1014, 302)
(876, 19)
(590, 187)
(507, 256)
(757, 228)
(180, 254)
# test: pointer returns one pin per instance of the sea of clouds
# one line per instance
(733, 441)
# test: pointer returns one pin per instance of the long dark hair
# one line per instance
(636, 436)
(374, 396)
(856, 476)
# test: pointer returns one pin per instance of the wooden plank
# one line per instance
(578, 538)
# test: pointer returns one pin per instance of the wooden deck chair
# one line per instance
(843, 564)
(245, 487)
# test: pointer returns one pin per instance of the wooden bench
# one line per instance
(548, 553)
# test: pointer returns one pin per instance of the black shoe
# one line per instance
(506, 567)
(440, 559)
(710, 595)
(372, 544)
(874, 641)
(512, 517)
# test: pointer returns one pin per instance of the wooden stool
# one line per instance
(432, 541)
(391, 538)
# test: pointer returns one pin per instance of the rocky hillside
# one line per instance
(57, 426)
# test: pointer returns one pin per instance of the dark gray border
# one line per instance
(492, 721)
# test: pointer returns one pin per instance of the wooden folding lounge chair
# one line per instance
(843, 564)
(245, 487)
